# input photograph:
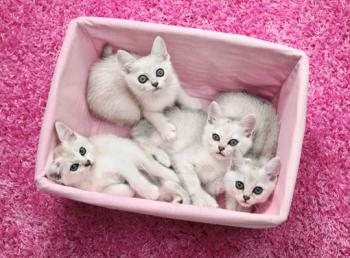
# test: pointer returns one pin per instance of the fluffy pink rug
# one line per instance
(40, 225)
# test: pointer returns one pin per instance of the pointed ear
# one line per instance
(273, 167)
(64, 133)
(248, 123)
(214, 112)
(125, 59)
(159, 48)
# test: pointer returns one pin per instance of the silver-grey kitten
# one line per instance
(238, 104)
(123, 87)
(201, 152)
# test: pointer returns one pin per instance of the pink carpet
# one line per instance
(41, 225)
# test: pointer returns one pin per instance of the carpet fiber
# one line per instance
(40, 225)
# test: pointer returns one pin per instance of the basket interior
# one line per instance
(205, 67)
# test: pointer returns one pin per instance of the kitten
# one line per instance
(109, 164)
(250, 181)
(201, 152)
(122, 87)
(238, 104)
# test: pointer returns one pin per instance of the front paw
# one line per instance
(152, 193)
(168, 133)
(204, 199)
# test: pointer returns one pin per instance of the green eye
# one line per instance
(74, 167)
(257, 190)
(143, 78)
(160, 72)
(233, 142)
(239, 185)
(82, 151)
(216, 137)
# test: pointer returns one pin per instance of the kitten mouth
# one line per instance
(221, 154)
(244, 204)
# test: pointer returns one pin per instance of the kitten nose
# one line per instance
(88, 163)
(155, 84)
(221, 148)
(246, 198)
(55, 174)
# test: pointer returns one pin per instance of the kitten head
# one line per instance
(253, 183)
(72, 158)
(223, 135)
(149, 73)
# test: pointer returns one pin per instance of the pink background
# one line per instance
(38, 224)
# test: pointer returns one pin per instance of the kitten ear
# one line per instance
(248, 123)
(64, 133)
(273, 167)
(159, 48)
(125, 59)
(214, 112)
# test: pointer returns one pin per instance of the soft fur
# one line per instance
(110, 164)
(116, 94)
(196, 156)
(252, 173)
(239, 104)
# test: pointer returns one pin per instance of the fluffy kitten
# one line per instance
(250, 181)
(109, 164)
(238, 104)
(123, 87)
(201, 152)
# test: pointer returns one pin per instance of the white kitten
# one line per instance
(238, 104)
(109, 164)
(201, 152)
(123, 87)
(250, 182)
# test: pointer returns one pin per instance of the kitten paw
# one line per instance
(169, 132)
(204, 199)
(152, 193)
(162, 158)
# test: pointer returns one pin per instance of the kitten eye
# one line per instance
(82, 151)
(142, 78)
(160, 72)
(257, 190)
(239, 185)
(74, 167)
(216, 137)
(233, 142)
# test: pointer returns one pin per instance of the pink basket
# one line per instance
(207, 62)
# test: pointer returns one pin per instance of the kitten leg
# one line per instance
(192, 183)
(186, 101)
(153, 168)
(160, 155)
(230, 202)
(123, 190)
(171, 191)
(140, 184)
(161, 123)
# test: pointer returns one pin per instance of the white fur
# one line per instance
(111, 165)
(115, 94)
(238, 104)
(195, 155)
(252, 173)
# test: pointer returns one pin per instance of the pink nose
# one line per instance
(221, 148)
